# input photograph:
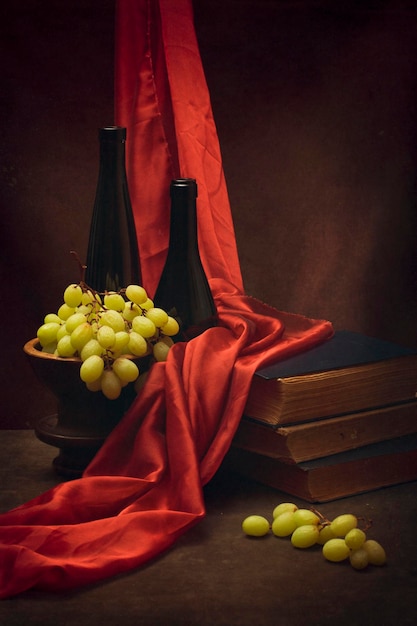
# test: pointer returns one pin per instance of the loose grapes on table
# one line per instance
(107, 332)
(340, 539)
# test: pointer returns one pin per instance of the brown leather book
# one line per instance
(348, 373)
(339, 475)
(311, 440)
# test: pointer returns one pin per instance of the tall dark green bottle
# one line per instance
(112, 255)
(183, 289)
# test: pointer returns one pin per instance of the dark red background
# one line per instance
(315, 106)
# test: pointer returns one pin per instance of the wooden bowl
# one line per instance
(84, 418)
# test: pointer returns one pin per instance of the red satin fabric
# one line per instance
(145, 486)
(163, 101)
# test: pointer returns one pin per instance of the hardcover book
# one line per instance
(348, 373)
(318, 438)
(339, 475)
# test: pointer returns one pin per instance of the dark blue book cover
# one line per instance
(345, 349)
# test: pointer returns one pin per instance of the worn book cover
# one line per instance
(350, 372)
(339, 475)
(318, 438)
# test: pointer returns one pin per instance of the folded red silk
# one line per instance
(161, 97)
(145, 486)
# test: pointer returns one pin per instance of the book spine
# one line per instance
(332, 393)
(329, 482)
(321, 438)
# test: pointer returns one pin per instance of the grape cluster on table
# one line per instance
(341, 539)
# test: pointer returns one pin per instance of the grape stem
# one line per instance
(81, 266)
(323, 520)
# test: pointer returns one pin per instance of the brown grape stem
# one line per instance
(323, 520)
(81, 266)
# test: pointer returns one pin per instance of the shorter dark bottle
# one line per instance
(183, 289)
(112, 256)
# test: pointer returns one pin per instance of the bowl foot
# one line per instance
(76, 450)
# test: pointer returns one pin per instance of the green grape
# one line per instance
(359, 559)
(47, 333)
(73, 321)
(126, 369)
(113, 319)
(114, 301)
(94, 325)
(167, 340)
(144, 326)
(52, 317)
(305, 536)
(65, 311)
(325, 534)
(50, 348)
(92, 368)
(355, 538)
(131, 311)
(305, 516)
(284, 524)
(106, 337)
(89, 298)
(160, 351)
(122, 340)
(136, 294)
(90, 348)
(171, 327)
(342, 524)
(158, 316)
(375, 551)
(84, 309)
(61, 332)
(73, 295)
(140, 381)
(81, 335)
(137, 344)
(65, 348)
(255, 526)
(95, 385)
(148, 304)
(283, 507)
(111, 385)
(336, 550)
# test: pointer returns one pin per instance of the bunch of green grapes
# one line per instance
(341, 539)
(107, 331)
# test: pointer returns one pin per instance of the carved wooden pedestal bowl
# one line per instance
(83, 420)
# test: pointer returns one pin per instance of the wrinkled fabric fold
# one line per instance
(144, 488)
(163, 100)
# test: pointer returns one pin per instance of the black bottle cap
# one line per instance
(112, 133)
(189, 184)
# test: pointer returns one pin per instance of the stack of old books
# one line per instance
(337, 420)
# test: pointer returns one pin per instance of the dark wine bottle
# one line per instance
(183, 289)
(112, 256)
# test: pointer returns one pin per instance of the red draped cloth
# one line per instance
(145, 486)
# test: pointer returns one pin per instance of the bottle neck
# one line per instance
(112, 256)
(112, 158)
(183, 229)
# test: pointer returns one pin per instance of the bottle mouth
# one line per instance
(112, 133)
(189, 184)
